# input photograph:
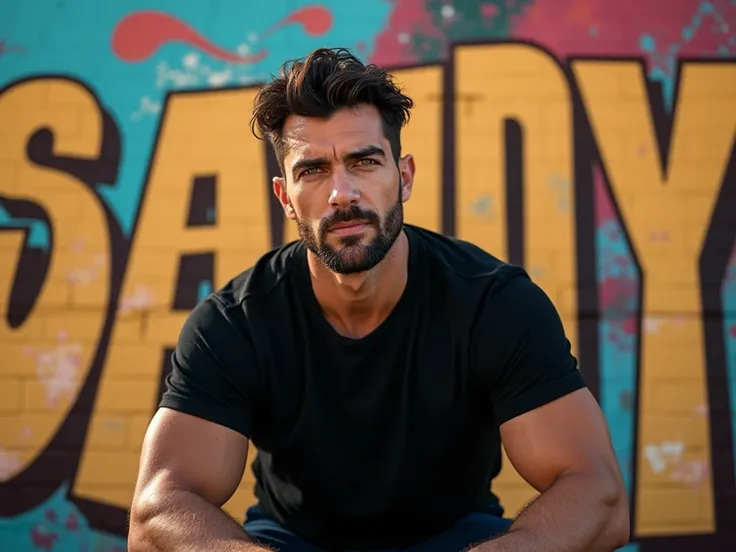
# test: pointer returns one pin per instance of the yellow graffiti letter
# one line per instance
(206, 136)
(46, 359)
(422, 138)
(667, 212)
(493, 84)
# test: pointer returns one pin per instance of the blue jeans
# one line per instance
(470, 530)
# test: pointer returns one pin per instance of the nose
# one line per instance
(344, 193)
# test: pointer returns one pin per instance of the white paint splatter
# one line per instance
(483, 206)
(661, 456)
(403, 38)
(666, 458)
(447, 11)
(191, 60)
(195, 72)
(57, 369)
(693, 473)
(86, 274)
(114, 424)
(178, 78)
(219, 78)
(651, 325)
(563, 188)
(250, 79)
(10, 464)
(701, 410)
(146, 106)
(537, 272)
(141, 299)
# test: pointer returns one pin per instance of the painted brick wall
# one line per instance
(130, 187)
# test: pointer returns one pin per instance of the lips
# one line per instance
(350, 227)
(348, 224)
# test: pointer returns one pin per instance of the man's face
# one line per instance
(343, 188)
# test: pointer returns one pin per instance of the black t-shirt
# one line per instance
(386, 440)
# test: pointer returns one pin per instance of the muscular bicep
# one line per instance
(184, 452)
(567, 435)
(198, 439)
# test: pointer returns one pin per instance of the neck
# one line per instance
(356, 304)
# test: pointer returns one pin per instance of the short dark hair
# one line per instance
(321, 83)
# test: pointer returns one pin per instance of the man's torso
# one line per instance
(388, 433)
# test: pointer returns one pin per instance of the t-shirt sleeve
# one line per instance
(523, 353)
(214, 374)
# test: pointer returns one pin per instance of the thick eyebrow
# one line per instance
(309, 164)
(317, 162)
(362, 153)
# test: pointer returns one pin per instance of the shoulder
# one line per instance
(465, 265)
(269, 273)
(517, 320)
(500, 294)
(224, 311)
(460, 257)
(515, 303)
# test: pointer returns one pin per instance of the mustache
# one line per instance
(348, 215)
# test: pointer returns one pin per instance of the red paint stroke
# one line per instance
(314, 20)
(489, 10)
(617, 296)
(6, 48)
(42, 539)
(619, 26)
(138, 35)
(408, 17)
(72, 522)
(604, 209)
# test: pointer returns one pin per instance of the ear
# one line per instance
(279, 190)
(406, 171)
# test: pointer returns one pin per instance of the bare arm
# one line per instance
(563, 450)
(189, 468)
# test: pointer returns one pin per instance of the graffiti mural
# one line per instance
(591, 141)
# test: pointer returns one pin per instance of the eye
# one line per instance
(367, 162)
(310, 171)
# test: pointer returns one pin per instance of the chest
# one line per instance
(413, 374)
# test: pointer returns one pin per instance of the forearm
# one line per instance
(578, 513)
(182, 521)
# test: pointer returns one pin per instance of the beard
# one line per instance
(352, 256)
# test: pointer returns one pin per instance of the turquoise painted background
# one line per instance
(131, 53)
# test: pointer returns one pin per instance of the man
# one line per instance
(375, 365)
